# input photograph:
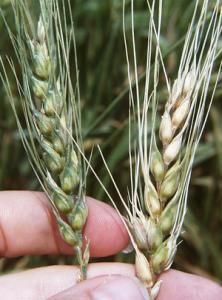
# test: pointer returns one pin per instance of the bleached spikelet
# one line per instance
(155, 289)
(180, 114)
(172, 150)
(166, 128)
(189, 82)
(138, 228)
(177, 90)
(143, 270)
(41, 32)
(151, 200)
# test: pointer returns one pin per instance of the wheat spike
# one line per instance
(58, 151)
(158, 197)
(51, 109)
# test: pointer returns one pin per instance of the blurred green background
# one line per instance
(104, 95)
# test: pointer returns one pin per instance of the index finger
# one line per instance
(28, 226)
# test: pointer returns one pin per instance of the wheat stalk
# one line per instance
(50, 109)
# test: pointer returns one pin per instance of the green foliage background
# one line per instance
(104, 94)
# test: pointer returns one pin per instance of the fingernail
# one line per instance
(113, 287)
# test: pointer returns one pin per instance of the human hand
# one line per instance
(27, 226)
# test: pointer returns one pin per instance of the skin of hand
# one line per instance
(27, 226)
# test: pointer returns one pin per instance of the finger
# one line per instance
(43, 283)
(113, 287)
(27, 226)
(176, 286)
(181, 286)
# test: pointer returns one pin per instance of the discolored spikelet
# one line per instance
(159, 196)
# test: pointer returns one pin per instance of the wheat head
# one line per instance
(51, 108)
(161, 157)
(158, 209)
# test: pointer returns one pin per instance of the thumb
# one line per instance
(113, 287)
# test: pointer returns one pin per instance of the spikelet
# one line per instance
(143, 269)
